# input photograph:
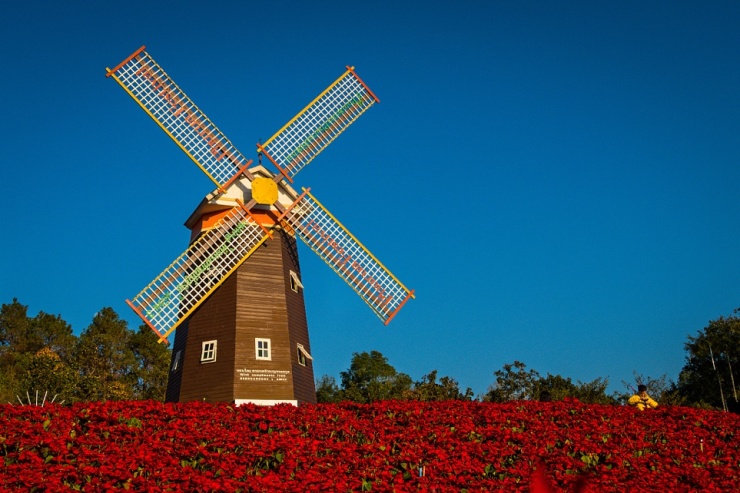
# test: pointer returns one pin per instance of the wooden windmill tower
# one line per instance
(236, 293)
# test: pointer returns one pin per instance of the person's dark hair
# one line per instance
(642, 388)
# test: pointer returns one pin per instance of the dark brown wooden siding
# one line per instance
(178, 351)
(213, 320)
(262, 313)
(303, 378)
(255, 302)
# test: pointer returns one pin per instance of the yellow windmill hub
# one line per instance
(264, 190)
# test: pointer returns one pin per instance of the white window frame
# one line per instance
(303, 355)
(263, 349)
(295, 283)
(176, 362)
(208, 351)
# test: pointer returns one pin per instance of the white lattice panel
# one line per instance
(318, 124)
(194, 275)
(348, 258)
(179, 117)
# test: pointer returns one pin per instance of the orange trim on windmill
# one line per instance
(128, 59)
(253, 217)
(352, 69)
(231, 180)
(207, 221)
(398, 308)
(135, 308)
(295, 202)
(364, 284)
(279, 168)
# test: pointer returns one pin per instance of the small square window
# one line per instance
(176, 361)
(295, 283)
(302, 355)
(263, 349)
(208, 352)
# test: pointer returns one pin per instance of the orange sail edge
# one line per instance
(282, 171)
(362, 83)
(241, 171)
(162, 339)
(398, 308)
(125, 61)
(253, 217)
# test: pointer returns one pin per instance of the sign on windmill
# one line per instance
(237, 298)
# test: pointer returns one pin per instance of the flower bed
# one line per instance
(387, 446)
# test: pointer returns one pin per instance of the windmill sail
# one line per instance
(191, 278)
(331, 241)
(174, 294)
(318, 124)
(150, 86)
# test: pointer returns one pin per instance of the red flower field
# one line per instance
(388, 446)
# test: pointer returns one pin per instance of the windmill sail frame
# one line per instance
(185, 284)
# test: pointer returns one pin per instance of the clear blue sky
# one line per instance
(558, 181)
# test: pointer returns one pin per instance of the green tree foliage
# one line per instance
(31, 346)
(51, 332)
(28, 335)
(593, 392)
(110, 362)
(152, 365)
(370, 378)
(553, 388)
(327, 390)
(107, 361)
(47, 373)
(515, 383)
(708, 377)
(447, 389)
(13, 327)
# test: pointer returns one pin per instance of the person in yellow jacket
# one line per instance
(641, 399)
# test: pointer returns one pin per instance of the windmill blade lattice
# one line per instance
(318, 124)
(157, 94)
(186, 283)
(341, 251)
(175, 293)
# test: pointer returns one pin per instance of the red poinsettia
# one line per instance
(386, 446)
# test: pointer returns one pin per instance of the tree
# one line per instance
(371, 378)
(327, 390)
(152, 365)
(594, 392)
(34, 352)
(554, 388)
(105, 360)
(427, 389)
(51, 332)
(14, 324)
(14, 327)
(514, 383)
(712, 362)
(24, 335)
(47, 373)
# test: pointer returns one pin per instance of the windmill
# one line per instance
(235, 294)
